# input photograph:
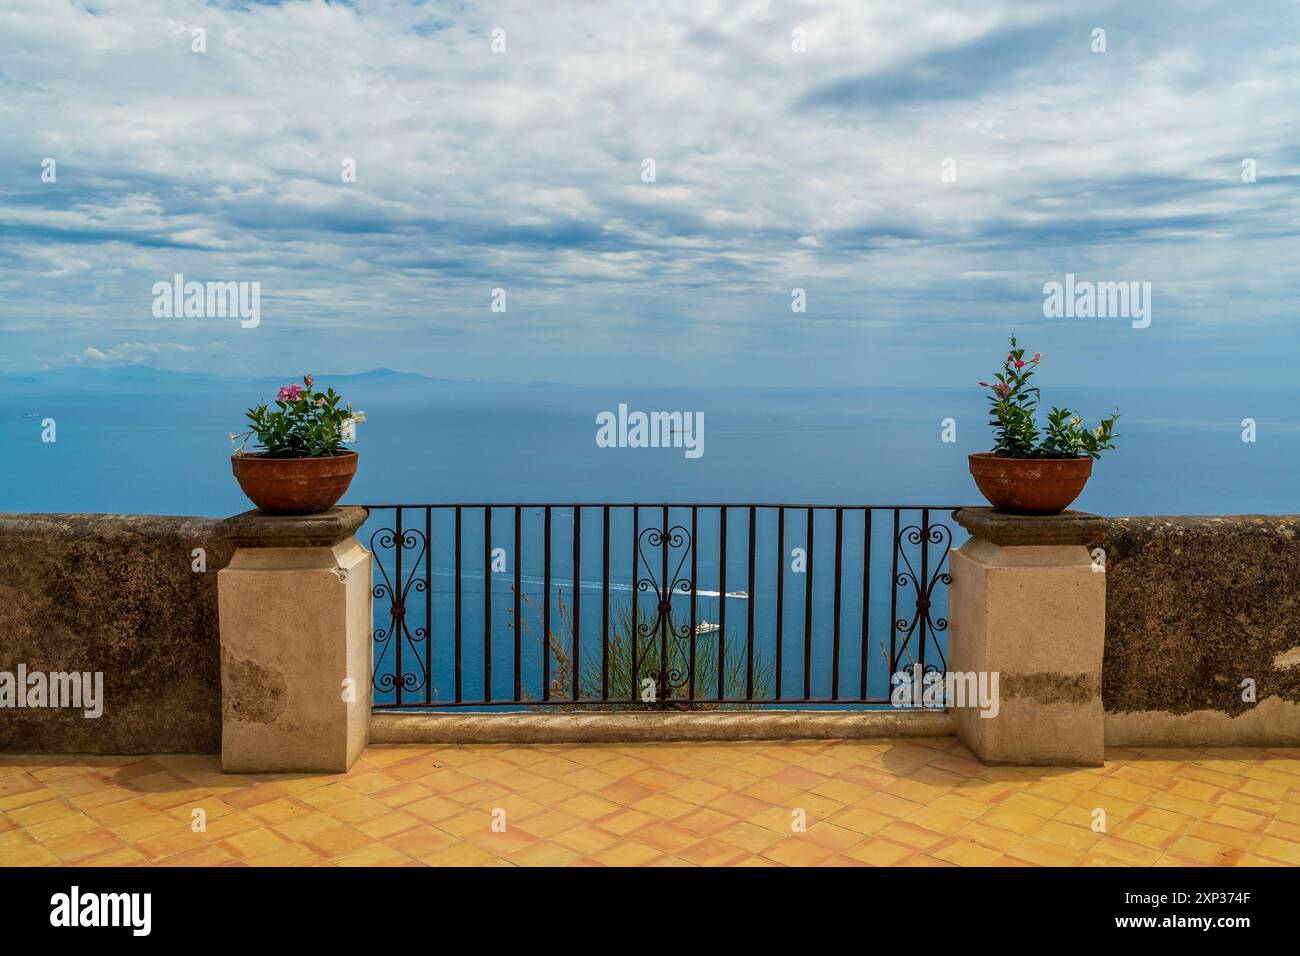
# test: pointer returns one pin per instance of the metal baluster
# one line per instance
(487, 604)
(546, 608)
(604, 609)
(458, 606)
(866, 594)
(839, 568)
(722, 604)
(519, 561)
(808, 613)
(577, 600)
(780, 593)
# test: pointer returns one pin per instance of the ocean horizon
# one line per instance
(158, 444)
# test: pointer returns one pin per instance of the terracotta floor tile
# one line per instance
(550, 822)
(965, 853)
(704, 821)
(394, 821)
(1042, 853)
(990, 836)
(628, 852)
(905, 802)
(379, 854)
(1284, 851)
(435, 809)
(918, 838)
(357, 810)
(798, 850)
(471, 821)
(833, 837)
(339, 840)
(667, 837)
(1237, 818)
(586, 839)
(1204, 852)
(1070, 837)
(1135, 831)
(860, 820)
(253, 843)
(588, 807)
(1126, 851)
(880, 853)
(624, 792)
(72, 848)
(888, 805)
(1016, 821)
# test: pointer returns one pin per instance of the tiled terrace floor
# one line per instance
(923, 802)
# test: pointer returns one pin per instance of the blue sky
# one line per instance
(775, 169)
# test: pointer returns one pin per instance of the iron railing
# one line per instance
(688, 606)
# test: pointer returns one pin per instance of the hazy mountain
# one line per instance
(145, 378)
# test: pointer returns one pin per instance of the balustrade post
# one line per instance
(295, 607)
(1028, 603)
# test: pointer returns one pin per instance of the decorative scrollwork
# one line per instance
(384, 541)
(921, 623)
(670, 673)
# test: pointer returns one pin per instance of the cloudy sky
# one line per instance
(775, 168)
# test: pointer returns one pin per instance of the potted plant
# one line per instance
(1023, 475)
(302, 466)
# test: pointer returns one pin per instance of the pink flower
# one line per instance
(1002, 389)
(984, 384)
(288, 393)
(1020, 364)
(320, 401)
(1038, 357)
(308, 379)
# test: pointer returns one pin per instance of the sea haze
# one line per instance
(146, 441)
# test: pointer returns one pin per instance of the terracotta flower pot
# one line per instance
(294, 486)
(1029, 486)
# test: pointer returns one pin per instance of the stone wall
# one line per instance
(1194, 606)
(115, 594)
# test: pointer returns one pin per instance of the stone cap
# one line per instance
(1069, 527)
(256, 529)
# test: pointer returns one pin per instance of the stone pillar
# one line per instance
(295, 611)
(1028, 602)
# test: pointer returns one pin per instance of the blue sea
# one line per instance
(166, 452)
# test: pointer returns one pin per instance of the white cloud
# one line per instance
(137, 353)
(522, 169)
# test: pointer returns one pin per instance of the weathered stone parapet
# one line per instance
(1202, 630)
(1028, 603)
(295, 606)
(1069, 527)
(585, 727)
(253, 529)
(130, 597)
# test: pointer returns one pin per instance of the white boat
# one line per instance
(705, 627)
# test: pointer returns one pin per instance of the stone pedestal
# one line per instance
(1028, 602)
(295, 611)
